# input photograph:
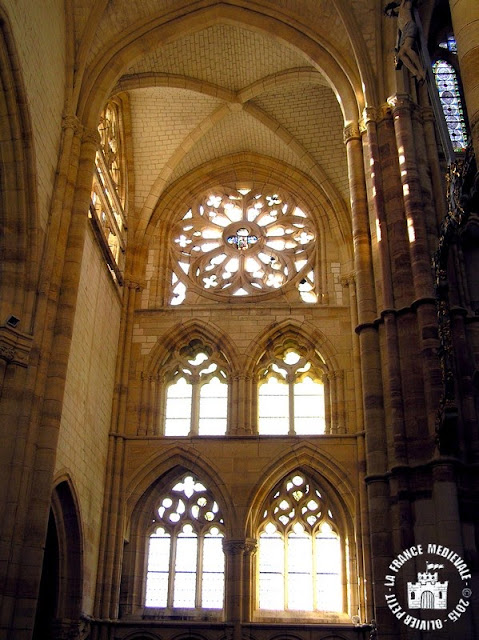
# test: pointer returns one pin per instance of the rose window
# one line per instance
(244, 243)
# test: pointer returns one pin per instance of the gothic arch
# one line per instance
(66, 513)
(18, 201)
(161, 465)
(140, 504)
(326, 205)
(303, 332)
(111, 61)
(326, 199)
(323, 467)
(184, 333)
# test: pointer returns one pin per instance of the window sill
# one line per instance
(177, 615)
(301, 617)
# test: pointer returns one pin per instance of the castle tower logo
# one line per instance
(428, 600)
(428, 592)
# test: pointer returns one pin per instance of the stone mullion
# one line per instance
(465, 18)
(340, 402)
(291, 430)
(333, 384)
(158, 413)
(195, 406)
(327, 402)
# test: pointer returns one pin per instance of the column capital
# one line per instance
(240, 547)
(91, 136)
(400, 102)
(351, 132)
(349, 280)
(370, 114)
(71, 121)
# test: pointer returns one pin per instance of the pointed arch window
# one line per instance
(450, 98)
(186, 565)
(291, 392)
(301, 554)
(196, 395)
(108, 197)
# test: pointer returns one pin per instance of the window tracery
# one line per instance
(300, 555)
(291, 391)
(108, 208)
(450, 98)
(185, 555)
(244, 243)
(196, 391)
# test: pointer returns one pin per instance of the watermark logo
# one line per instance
(419, 598)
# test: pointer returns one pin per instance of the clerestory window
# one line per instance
(245, 243)
(450, 98)
(300, 555)
(290, 392)
(108, 197)
(185, 554)
(196, 400)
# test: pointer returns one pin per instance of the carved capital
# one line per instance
(91, 136)
(70, 121)
(134, 285)
(14, 346)
(239, 547)
(370, 114)
(351, 132)
(349, 280)
(400, 103)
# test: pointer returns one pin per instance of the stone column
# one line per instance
(366, 302)
(27, 553)
(236, 551)
(111, 541)
(465, 21)
(350, 283)
(424, 303)
(374, 418)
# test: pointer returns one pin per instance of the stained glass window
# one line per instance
(300, 556)
(196, 400)
(245, 243)
(185, 555)
(446, 81)
(290, 393)
(108, 196)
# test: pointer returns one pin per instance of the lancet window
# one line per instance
(186, 565)
(448, 87)
(196, 394)
(300, 554)
(246, 243)
(108, 210)
(291, 391)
